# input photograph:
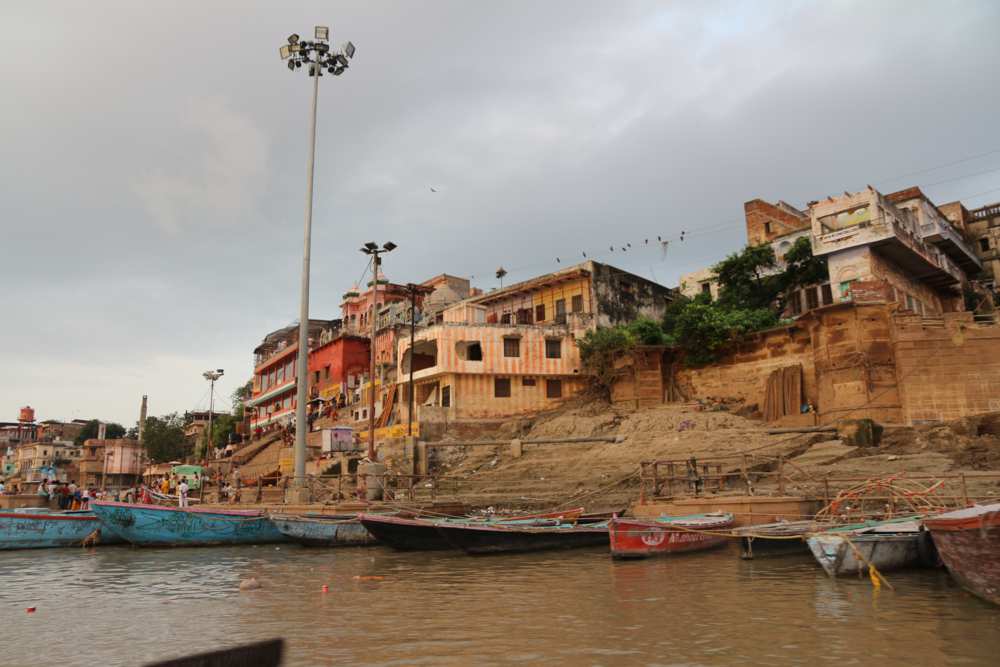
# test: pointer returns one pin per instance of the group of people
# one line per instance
(69, 495)
(172, 485)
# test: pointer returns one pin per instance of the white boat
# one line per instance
(887, 545)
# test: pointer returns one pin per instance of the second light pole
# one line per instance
(371, 248)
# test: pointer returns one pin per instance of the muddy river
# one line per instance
(124, 606)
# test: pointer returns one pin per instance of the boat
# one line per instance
(156, 525)
(41, 528)
(522, 536)
(323, 530)
(422, 534)
(774, 539)
(665, 535)
(968, 541)
(888, 545)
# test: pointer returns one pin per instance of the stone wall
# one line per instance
(948, 368)
(866, 361)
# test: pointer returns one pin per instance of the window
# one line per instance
(315, 377)
(767, 227)
(281, 375)
(512, 347)
(577, 303)
(326, 372)
(287, 403)
(553, 389)
(501, 387)
(540, 312)
(827, 294)
(524, 316)
(795, 301)
(706, 287)
(274, 378)
(445, 397)
(528, 382)
(812, 298)
(289, 370)
(561, 311)
(845, 290)
(475, 352)
(553, 348)
(984, 244)
(505, 318)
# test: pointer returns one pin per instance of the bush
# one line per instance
(599, 349)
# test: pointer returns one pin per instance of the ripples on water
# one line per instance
(123, 606)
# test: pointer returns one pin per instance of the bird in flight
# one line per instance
(433, 190)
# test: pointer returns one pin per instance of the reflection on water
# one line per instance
(123, 606)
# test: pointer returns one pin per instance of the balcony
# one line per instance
(943, 235)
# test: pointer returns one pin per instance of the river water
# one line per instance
(124, 606)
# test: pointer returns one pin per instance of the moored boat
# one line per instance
(422, 534)
(968, 541)
(323, 530)
(640, 538)
(888, 545)
(40, 528)
(522, 536)
(156, 525)
(774, 539)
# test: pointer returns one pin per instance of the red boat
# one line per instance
(968, 542)
(640, 538)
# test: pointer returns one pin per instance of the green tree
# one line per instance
(646, 331)
(802, 268)
(747, 278)
(598, 351)
(239, 397)
(112, 431)
(164, 438)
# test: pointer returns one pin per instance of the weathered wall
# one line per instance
(743, 374)
(767, 221)
(622, 297)
(948, 368)
(868, 361)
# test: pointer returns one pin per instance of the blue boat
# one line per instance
(156, 525)
(323, 530)
(41, 528)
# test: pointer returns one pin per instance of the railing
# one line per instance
(986, 212)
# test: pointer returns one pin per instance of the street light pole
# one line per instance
(211, 376)
(413, 290)
(318, 56)
(371, 248)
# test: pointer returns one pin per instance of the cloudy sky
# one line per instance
(153, 173)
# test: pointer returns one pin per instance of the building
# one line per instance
(982, 228)
(36, 461)
(337, 368)
(110, 463)
(272, 399)
(897, 248)
(513, 350)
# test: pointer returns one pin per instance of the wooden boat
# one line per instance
(666, 535)
(40, 528)
(522, 536)
(323, 530)
(968, 541)
(422, 534)
(888, 545)
(774, 539)
(155, 525)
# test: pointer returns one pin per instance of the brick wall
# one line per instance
(766, 221)
(948, 368)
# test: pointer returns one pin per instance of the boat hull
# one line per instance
(884, 551)
(155, 525)
(968, 542)
(517, 539)
(405, 534)
(774, 539)
(43, 530)
(330, 531)
(634, 538)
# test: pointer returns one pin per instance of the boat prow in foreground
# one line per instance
(39, 528)
(968, 542)
(155, 525)
(640, 538)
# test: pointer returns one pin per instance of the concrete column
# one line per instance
(422, 464)
(516, 448)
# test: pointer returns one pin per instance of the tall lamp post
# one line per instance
(317, 56)
(211, 376)
(371, 248)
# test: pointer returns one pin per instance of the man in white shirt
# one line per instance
(182, 492)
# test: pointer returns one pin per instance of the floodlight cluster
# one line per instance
(318, 53)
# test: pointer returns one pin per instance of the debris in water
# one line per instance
(250, 584)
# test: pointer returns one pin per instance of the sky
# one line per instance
(152, 189)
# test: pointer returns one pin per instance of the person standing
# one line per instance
(165, 486)
(182, 491)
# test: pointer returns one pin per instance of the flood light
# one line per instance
(293, 38)
(349, 49)
(322, 32)
(285, 52)
(389, 246)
